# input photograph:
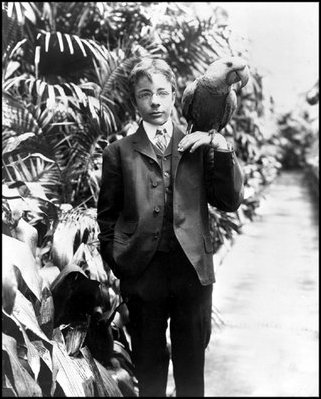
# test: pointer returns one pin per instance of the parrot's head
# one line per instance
(228, 71)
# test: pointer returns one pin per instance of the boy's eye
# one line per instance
(144, 96)
(147, 95)
(163, 93)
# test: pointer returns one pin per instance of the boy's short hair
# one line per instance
(147, 67)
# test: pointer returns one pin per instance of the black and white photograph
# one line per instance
(160, 199)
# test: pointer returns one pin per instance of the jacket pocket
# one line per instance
(120, 239)
(128, 227)
(208, 245)
(124, 231)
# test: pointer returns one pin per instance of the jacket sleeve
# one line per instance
(109, 202)
(224, 179)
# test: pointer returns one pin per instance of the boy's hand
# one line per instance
(194, 140)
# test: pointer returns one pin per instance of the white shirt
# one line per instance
(151, 133)
(151, 130)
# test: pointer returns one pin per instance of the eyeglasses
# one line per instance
(148, 95)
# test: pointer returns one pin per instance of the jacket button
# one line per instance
(156, 235)
(154, 184)
(156, 209)
(151, 161)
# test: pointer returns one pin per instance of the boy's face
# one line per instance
(154, 99)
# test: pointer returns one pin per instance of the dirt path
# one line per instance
(267, 340)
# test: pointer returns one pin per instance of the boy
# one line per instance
(154, 231)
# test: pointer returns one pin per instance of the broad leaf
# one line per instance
(24, 312)
(66, 373)
(125, 382)
(63, 244)
(75, 227)
(49, 272)
(106, 387)
(22, 382)
(84, 370)
(46, 312)
(9, 286)
(19, 254)
(7, 388)
(109, 382)
(75, 337)
(32, 353)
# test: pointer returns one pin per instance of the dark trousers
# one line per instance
(169, 289)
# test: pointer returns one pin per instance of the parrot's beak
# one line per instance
(244, 75)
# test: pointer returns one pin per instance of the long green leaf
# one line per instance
(19, 254)
(67, 374)
(24, 312)
(108, 380)
(32, 354)
(23, 383)
(104, 388)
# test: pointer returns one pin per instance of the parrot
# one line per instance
(209, 102)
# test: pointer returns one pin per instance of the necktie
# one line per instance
(161, 140)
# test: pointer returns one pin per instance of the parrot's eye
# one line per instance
(229, 64)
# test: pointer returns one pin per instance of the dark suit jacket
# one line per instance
(131, 202)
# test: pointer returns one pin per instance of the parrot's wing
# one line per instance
(230, 106)
(187, 99)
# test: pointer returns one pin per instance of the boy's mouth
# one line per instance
(156, 113)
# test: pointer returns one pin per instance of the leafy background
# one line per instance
(65, 97)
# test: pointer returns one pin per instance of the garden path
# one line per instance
(265, 338)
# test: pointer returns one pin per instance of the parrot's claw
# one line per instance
(189, 127)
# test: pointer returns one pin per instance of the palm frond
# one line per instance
(21, 18)
(16, 116)
(64, 54)
(35, 168)
(22, 127)
(114, 79)
(20, 11)
(42, 93)
(12, 50)
(223, 226)
(76, 17)
(13, 142)
(113, 69)
(12, 31)
(184, 38)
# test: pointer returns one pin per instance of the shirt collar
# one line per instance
(151, 129)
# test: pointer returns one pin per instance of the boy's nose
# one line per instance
(154, 99)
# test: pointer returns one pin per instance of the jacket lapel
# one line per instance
(142, 144)
(176, 155)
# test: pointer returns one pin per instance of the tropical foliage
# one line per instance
(299, 132)
(65, 97)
